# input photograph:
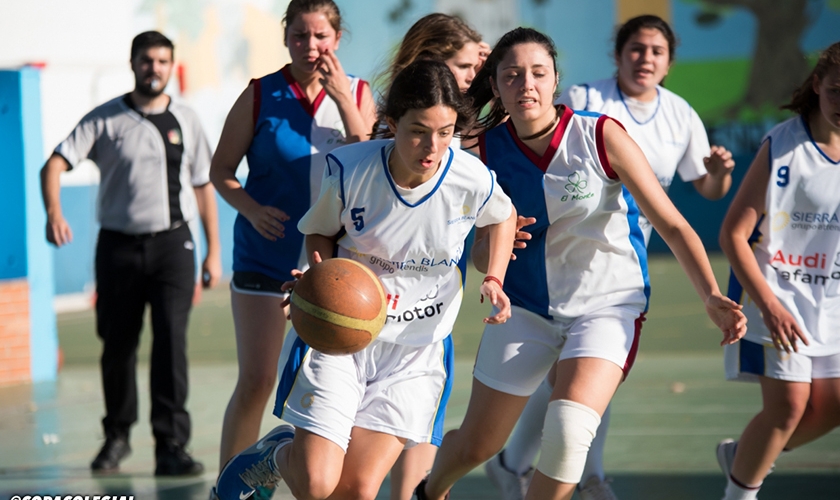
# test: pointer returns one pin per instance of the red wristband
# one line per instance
(494, 279)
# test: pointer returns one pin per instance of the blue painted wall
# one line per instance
(12, 201)
(23, 247)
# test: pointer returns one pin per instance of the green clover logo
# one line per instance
(575, 184)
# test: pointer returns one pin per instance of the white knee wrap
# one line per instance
(567, 434)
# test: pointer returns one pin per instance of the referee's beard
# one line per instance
(151, 88)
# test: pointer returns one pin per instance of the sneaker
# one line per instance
(254, 467)
(512, 485)
(596, 489)
(173, 460)
(112, 453)
(264, 493)
(726, 455)
(420, 491)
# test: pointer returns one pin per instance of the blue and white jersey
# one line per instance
(587, 251)
(797, 240)
(413, 239)
(292, 137)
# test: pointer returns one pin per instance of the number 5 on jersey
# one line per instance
(358, 220)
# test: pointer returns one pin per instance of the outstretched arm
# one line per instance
(628, 161)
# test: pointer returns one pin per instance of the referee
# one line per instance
(154, 162)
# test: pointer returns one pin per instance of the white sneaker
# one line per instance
(512, 486)
(726, 455)
(595, 489)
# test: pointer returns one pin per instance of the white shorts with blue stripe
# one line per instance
(746, 360)
(389, 388)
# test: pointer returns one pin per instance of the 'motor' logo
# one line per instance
(780, 221)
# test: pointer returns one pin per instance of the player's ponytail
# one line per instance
(424, 84)
(481, 90)
(805, 99)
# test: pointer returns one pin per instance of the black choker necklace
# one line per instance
(544, 131)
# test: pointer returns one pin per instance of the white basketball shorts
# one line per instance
(390, 388)
(515, 357)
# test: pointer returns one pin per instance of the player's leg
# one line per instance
(823, 412)
(511, 470)
(260, 325)
(120, 303)
(600, 350)
(369, 457)
(767, 434)
(582, 391)
(477, 440)
(410, 468)
(512, 362)
(524, 443)
(171, 271)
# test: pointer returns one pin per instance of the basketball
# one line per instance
(338, 306)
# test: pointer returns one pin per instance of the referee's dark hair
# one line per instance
(150, 39)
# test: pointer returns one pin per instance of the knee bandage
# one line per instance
(567, 434)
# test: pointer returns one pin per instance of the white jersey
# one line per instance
(797, 243)
(413, 239)
(586, 250)
(667, 129)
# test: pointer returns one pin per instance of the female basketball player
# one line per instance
(673, 139)
(403, 208)
(285, 123)
(782, 237)
(437, 37)
(579, 289)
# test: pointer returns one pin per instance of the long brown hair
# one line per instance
(436, 37)
(804, 99)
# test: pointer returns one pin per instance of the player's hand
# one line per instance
(727, 315)
(333, 78)
(289, 286)
(483, 53)
(521, 237)
(268, 221)
(719, 163)
(784, 330)
(499, 299)
(58, 231)
(211, 271)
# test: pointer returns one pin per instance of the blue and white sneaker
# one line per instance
(253, 467)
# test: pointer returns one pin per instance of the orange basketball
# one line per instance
(338, 306)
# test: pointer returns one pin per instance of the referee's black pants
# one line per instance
(131, 271)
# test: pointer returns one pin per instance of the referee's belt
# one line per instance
(145, 236)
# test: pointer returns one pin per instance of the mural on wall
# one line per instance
(778, 62)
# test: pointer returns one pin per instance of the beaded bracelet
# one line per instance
(493, 279)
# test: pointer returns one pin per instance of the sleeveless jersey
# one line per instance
(286, 163)
(797, 240)
(672, 137)
(413, 239)
(587, 251)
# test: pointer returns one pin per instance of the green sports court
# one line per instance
(667, 418)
